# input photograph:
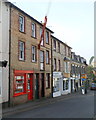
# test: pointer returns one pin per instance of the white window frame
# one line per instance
(33, 53)
(21, 50)
(47, 57)
(33, 30)
(47, 37)
(42, 42)
(67, 67)
(21, 23)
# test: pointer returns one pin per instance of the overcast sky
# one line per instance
(71, 20)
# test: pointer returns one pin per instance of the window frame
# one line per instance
(54, 44)
(33, 34)
(55, 65)
(19, 51)
(47, 57)
(24, 86)
(40, 32)
(23, 24)
(35, 52)
(47, 80)
(42, 61)
(47, 37)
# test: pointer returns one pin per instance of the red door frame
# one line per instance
(25, 73)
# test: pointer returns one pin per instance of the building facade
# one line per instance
(78, 65)
(61, 67)
(4, 50)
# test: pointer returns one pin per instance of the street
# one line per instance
(74, 106)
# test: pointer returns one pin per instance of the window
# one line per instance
(42, 42)
(21, 50)
(54, 45)
(47, 37)
(58, 47)
(56, 84)
(54, 64)
(21, 23)
(66, 67)
(47, 57)
(33, 53)
(19, 85)
(34, 30)
(65, 84)
(59, 65)
(41, 60)
(47, 80)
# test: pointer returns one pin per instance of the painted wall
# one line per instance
(4, 48)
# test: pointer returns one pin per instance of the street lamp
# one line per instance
(3, 63)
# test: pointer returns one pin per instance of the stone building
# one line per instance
(78, 65)
(61, 54)
(29, 68)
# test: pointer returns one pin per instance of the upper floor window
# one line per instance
(47, 57)
(21, 50)
(54, 44)
(21, 23)
(66, 67)
(54, 64)
(33, 53)
(59, 65)
(42, 42)
(34, 30)
(41, 60)
(47, 37)
(58, 47)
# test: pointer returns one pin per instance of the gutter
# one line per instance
(51, 70)
(9, 55)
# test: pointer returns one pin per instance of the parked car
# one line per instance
(93, 86)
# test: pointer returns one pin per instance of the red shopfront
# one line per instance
(23, 83)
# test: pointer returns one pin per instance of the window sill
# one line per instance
(22, 32)
(34, 37)
(18, 94)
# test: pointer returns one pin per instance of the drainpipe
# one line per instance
(9, 54)
(51, 70)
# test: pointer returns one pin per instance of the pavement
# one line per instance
(35, 104)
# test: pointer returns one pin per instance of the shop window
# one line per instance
(64, 88)
(20, 84)
(55, 85)
(47, 80)
(65, 84)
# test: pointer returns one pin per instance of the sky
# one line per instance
(71, 20)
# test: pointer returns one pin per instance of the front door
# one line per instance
(37, 86)
(42, 85)
(30, 92)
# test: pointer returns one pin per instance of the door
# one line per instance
(42, 85)
(71, 85)
(37, 86)
(29, 87)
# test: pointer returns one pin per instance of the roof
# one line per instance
(60, 41)
(12, 5)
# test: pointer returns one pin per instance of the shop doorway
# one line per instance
(37, 86)
(42, 85)
(29, 87)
